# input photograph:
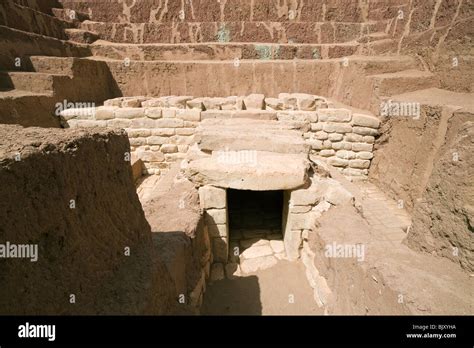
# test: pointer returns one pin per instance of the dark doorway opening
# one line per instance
(255, 212)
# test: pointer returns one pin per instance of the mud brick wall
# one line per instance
(81, 248)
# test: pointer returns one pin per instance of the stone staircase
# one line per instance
(235, 47)
(262, 46)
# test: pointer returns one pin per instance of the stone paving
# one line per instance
(251, 250)
(387, 217)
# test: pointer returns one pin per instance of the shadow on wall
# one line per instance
(239, 296)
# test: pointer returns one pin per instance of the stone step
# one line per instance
(32, 81)
(214, 78)
(52, 65)
(22, 44)
(81, 36)
(403, 81)
(244, 170)
(236, 10)
(69, 15)
(222, 51)
(24, 18)
(27, 108)
(44, 6)
(265, 32)
(253, 135)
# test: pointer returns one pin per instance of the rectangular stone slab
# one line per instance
(237, 135)
(265, 171)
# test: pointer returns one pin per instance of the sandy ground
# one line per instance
(263, 292)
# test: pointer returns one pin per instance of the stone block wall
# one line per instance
(213, 201)
(161, 130)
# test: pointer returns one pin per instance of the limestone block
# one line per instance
(213, 103)
(335, 137)
(346, 154)
(270, 171)
(137, 133)
(298, 116)
(274, 104)
(153, 113)
(359, 164)
(336, 194)
(157, 140)
(316, 144)
(185, 131)
(212, 197)
(169, 148)
(256, 264)
(365, 121)
(216, 216)
(189, 115)
(305, 102)
(365, 131)
(137, 141)
(169, 123)
(129, 112)
(86, 123)
(321, 135)
(254, 102)
(332, 127)
(342, 146)
(289, 101)
(362, 147)
(327, 144)
(355, 138)
(365, 155)
(257, 251)
(150, 156)
(338, 162)
(178, 102)
(79, 113)
(217, 272)
(164, 132)
(183, 140)
(196, 103)
(303, 197)
(292, 241)
(155, 103)
(334, 115)
(327, 153)
(168, 113)
(369, 139)
(355, 172)
(317, 126)
(302, 221)
(105, 112)
(277, 246)
(113, 102)
(143, 123)
(232, 103)
(220, 249)
(119, 123)
(131, 103)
